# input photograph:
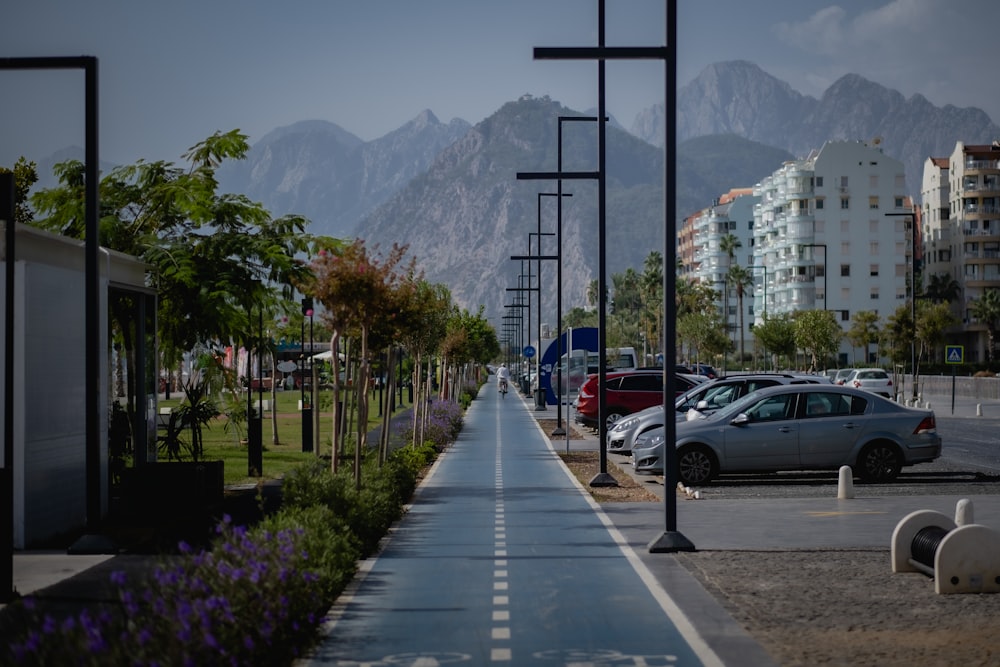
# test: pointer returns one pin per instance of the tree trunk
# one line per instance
(337, 407)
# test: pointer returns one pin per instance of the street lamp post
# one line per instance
(307, 435)
(913, 294)
(753, 268)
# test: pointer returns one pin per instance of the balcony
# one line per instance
(972, 164)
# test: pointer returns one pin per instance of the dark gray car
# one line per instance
(798, 427)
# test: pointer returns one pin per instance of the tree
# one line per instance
(740, 278)
(942, 288)
(818, 334)
(986, 309)
(776, 333)
(577, 318)
(729, 244)
(864, 330)
(214, 257)
(932, 320)
(703, 335)
(25, 175)
(652, 300)
(355, 287)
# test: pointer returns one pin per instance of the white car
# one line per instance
(874, 380)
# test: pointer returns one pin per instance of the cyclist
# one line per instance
(503, 375)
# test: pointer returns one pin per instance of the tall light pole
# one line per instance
(913, 294)
(307, 435)
(753, 268)
(670, 540)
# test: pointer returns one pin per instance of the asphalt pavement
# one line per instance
(505, 558)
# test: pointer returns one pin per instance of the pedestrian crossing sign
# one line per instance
(954, 354)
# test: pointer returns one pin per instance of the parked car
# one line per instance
(706, 370)
(870, 379)
(626, 392)
(841, 375)
(698, 402)
(798, 427)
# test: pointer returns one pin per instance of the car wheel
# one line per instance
(879, 462)
(614, 414)
(696, 465)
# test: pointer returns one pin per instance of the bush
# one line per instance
(259, 594)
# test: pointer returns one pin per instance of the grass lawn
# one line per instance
(223, 444)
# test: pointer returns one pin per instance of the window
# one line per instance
(873, 295)
(819, 181)
(873, 248)
(873, 179)
(845, 202)
(843, 181)
(873, 203)
(772, 408)
(873, 270)
(845, 270)
(873, 227)
(819, 203)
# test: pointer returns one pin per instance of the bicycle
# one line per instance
(503, 388)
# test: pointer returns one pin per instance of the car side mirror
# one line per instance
(702, 405)
(740, 420)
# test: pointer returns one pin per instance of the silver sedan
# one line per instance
(798, 427)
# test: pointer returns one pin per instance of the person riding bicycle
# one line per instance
(503, 375)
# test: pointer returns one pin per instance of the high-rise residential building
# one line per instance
(961, 223)
(833, 232)
(713, 241)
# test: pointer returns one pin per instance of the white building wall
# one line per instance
(54, 451)
(824, 238)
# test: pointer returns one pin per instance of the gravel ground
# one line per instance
(833, 607)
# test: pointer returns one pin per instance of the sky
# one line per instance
(173, 73)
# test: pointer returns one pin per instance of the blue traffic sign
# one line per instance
(954, 354)
(529, 352)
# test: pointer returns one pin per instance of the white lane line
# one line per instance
(500, 630)
(680, 620)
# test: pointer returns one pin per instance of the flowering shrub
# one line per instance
(258, 595)
(256, 598)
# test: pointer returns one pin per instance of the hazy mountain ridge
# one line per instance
(450, 191)
(319, 170)
(468, 214)
(740, 98)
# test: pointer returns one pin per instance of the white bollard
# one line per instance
(979, 409)
(964, 513)
(845, 486)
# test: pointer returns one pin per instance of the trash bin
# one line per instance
(525, 386)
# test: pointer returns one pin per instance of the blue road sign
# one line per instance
(954, 354)
(529, 352)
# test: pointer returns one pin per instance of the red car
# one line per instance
(627, 392)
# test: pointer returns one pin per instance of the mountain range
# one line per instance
(450, 191)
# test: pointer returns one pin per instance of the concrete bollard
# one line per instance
(845, 485)
(964, 513)
(979, 409)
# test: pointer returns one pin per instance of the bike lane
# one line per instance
(503, 559)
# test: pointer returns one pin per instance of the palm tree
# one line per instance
(942, 288)
(986, 309)
(740, 278)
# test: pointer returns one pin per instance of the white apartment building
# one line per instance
(829, 234)
(732, 214)
(960, 203)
